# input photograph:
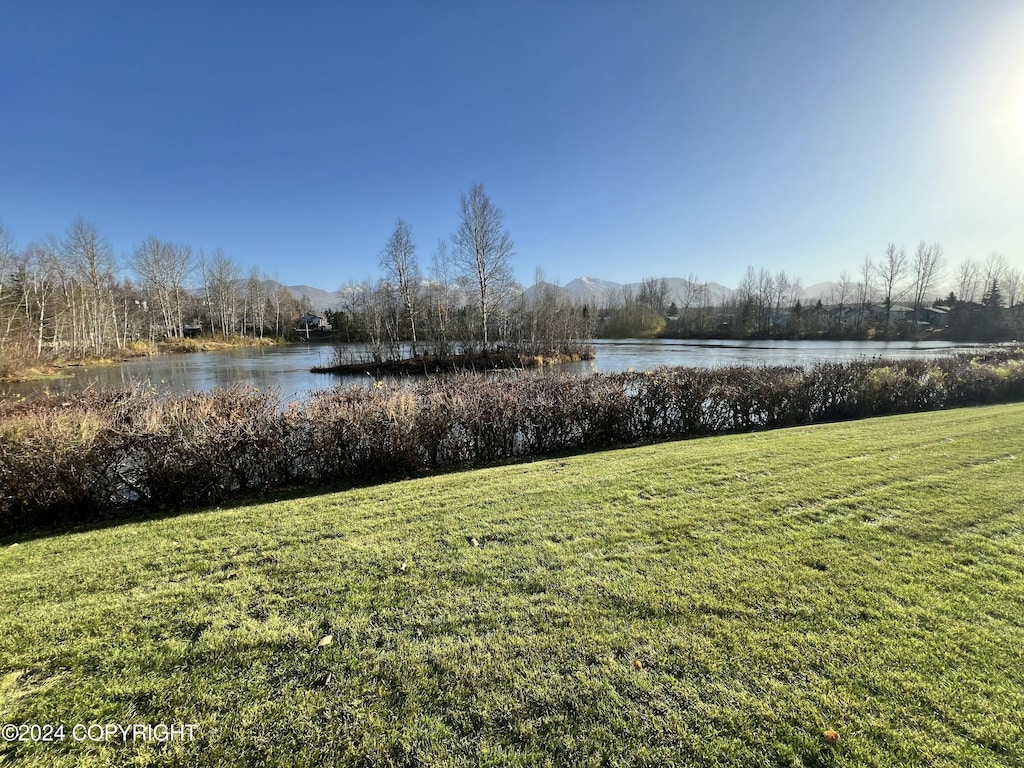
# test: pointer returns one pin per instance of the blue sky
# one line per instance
(621, 139)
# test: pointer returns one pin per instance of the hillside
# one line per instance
(318, 297)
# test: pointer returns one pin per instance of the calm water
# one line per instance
(641, 354)
(287, 368)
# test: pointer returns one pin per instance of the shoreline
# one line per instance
(59, 369)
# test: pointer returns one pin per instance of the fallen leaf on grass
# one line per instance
(325, 641)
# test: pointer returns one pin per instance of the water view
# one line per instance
(287, 368)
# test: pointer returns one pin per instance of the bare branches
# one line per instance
(967, 275)
(90, 260)
(164, 270)
(482, 251)
(398, 260)
(926, 269)
(220, 277)
(890, 272)
(117, 451)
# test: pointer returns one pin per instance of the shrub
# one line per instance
(109, 453)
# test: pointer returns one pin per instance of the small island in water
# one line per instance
(500, 358)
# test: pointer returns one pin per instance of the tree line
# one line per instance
(69, 297)
(892, 297)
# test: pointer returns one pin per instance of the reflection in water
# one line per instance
(286, 368)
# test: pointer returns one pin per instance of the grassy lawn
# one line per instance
(715, 602)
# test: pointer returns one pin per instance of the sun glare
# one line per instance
(1020, 108)
(987, 121)
(1009, 82)
(1008, 115)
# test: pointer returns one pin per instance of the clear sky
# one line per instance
(622, 139)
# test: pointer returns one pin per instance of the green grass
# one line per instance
(712, 602)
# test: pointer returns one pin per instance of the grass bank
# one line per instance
(192, 344)
(723, 601)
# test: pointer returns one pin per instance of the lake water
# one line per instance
(286, 368)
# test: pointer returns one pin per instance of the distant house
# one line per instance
(192, 328)
(898, 313)
(937, 317)
(1015, 314)
(312, 322)
(845, 315)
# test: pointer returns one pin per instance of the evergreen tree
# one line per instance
(993, 296)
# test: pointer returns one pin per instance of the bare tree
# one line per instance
(765, 295)
(8, 305)
(130, 315)
(369, 304)
(967, 275)
(398, 260)
(651, 298)
(540, 311)
(746, 298)
(927, 269)
(279, 298)
(624, 297)
(653, 294)
(37, 276)
(842, 292)
(91, 261)
(66, 326)
(782, 298)
(696, 296)
(890, 271)
(164, 270)
(443, 297)
(704, 300)
(689, 296)
(1012, 280)
(796, 291)
(482, 250)
(865, 290)
(220, 284)
(993, 270)
(255, 303)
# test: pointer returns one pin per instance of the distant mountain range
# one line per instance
(593, 290)
(590, 290)
(319, 298)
